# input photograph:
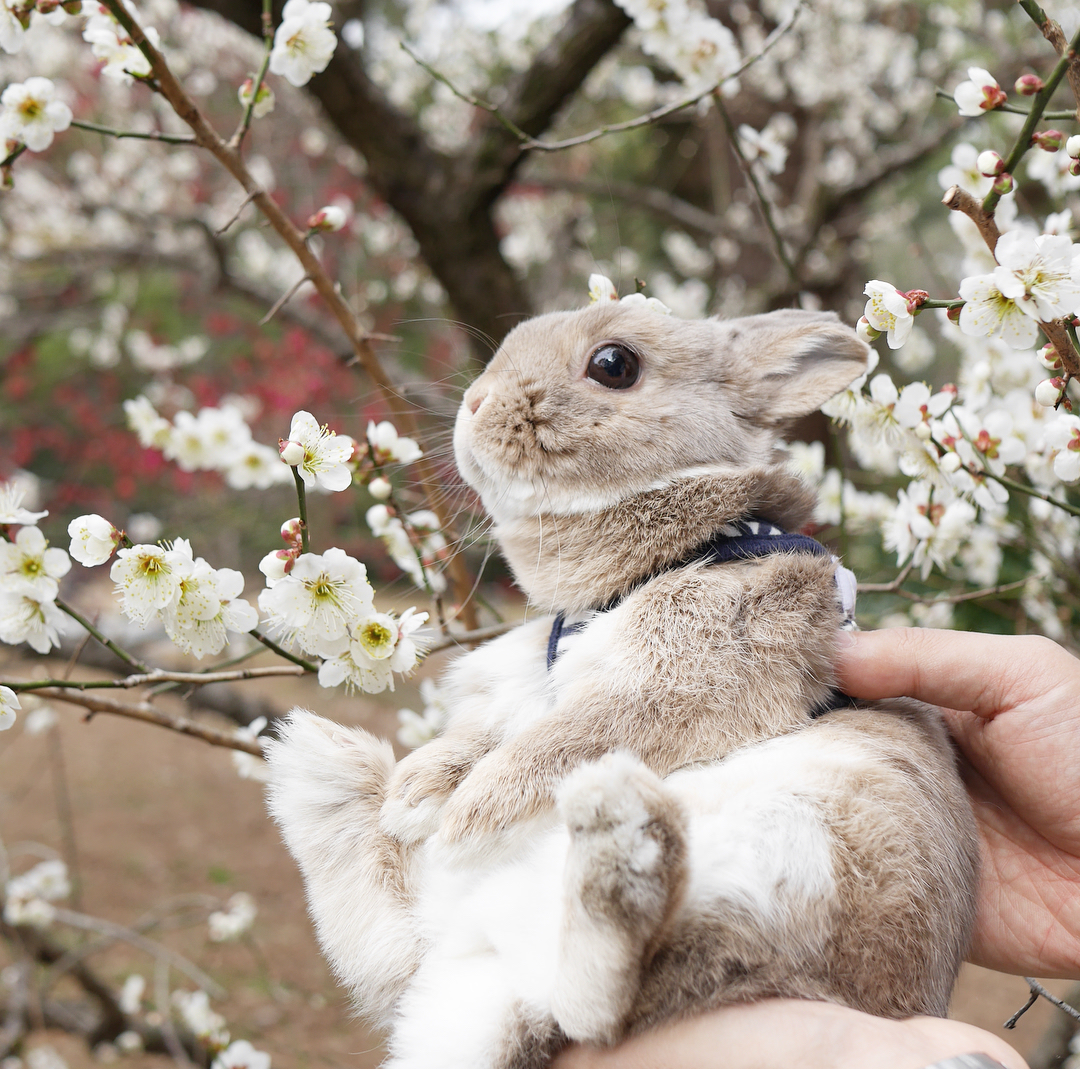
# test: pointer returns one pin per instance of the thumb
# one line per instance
(983, 674)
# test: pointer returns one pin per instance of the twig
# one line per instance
(470, 638)
(1039, 102)
(153, 135)
(268, 38)
(207, 137)
(960, 200)
(195, 679)
(164, 1008)
(1012, 109)
(532, 143)
(886, 588)
(763, 201)
(1056, 36)
(1032, 999)
(236, 215)
(954, 599)
(1038, 991)
(282, 300)
(157, 950)
(146, 712)
(107, 642)
(1020, 488)
(281, 652)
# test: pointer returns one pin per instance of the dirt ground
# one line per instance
(156, 815)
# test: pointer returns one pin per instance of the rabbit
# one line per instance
(648, 801)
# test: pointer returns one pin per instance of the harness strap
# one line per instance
(741, 540)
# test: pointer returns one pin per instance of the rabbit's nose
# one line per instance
(477, 400)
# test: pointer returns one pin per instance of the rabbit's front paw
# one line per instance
(417, 792)
(496, 794)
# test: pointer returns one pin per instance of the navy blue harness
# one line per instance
(740, 540)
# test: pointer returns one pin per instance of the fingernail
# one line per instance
(845, 639)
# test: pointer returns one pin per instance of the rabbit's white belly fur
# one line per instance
(756, 841)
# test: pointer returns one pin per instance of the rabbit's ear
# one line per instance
(788, 363)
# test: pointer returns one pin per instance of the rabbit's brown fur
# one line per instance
(718, 843)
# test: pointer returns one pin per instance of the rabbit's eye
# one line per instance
(614, 366)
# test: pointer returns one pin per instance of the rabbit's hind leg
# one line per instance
(625, 875)
(326, 787)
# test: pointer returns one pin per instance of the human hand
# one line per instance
(1013, 705)
(781, 1033)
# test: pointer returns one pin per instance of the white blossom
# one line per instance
(29, 566)
(601, 288)
(194, 1007)
(25, 617)
(209, 606)
(388, 445)
(93, 539)
(12, 496)
(1041, 273)
(148, 578)
(979, 93)
(380, 488)
(247, 765)
(1062, 439)
(319, 455)
(241, 1055)
(764, 146)
(31, 114)
(28, 897)
(888, 311)
(304, 42)
(320, 597)
(256, 465)
(9, 702)
(121, 56)
(152, 429)
(233, 922)
(418, 728)
(131, 994)
(988, 312)
(928, 531)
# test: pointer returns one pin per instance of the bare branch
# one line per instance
(283, 300)
(150, 714)
(195, 679)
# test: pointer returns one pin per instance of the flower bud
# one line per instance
(922, 431)
(1074, 167)
(1048, 391)
(379, 488)
(290, 530)
(47, 7)
(264, 101)
(952, 313)
(1048, 140)
(1049, 357)
(277, 564)
(1027, 85)
(1072, 146)
(865, 331)
(291, 452)
(990, 163)
(950, 462)
(1003, 184)
(329, 219)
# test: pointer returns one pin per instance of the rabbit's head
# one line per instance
(579, 410)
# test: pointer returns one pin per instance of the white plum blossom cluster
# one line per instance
(602, 288)
(29, 897)
(227, 925)
(30, 114)
(30, 574)
(216, 439)
(197, 604)
(325, 605)
(201, 1020)
(415, 545)
(417, 728)
(701, 50)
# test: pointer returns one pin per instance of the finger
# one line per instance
(983, 674)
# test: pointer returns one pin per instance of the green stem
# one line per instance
(249, 112)
(931, 303)
(1034, 12)
(161, 688)
(301, 497)
(153, 135)
(1038, 106)
(126, 657)
(271, 645)
(1020, 488)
